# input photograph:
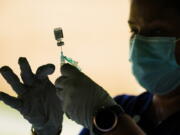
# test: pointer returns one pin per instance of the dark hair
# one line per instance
(173, 4)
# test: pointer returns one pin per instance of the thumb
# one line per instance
(45, 70)
(69, 70)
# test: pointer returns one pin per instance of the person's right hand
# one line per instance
(81, 96)
(37, 100)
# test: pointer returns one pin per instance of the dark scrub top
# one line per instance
(137, 107)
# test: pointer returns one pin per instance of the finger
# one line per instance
(45, 70)
(69, 70)
(26, 72)
(59, 82)
(59, 93)
(12, 79)
(59, 89)
(11, 101)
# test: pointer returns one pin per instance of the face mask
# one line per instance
(153, 63)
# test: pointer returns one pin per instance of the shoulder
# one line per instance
(134, 104)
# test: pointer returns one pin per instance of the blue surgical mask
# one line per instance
(154, 64)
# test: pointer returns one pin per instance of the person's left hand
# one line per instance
(37, 100)
(80, 96)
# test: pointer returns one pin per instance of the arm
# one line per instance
(82, 97)
(126, 126)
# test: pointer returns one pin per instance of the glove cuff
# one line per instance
(108, 102)
(46, 131)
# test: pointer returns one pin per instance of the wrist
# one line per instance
(105, 119)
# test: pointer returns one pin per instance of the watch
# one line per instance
(105, 119)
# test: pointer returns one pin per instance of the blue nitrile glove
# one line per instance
(37, 100)
(80, 96)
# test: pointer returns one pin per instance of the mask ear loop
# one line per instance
(177, 40)
(131, 47)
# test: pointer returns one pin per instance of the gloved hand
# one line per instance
(80, 96)
(37, 100)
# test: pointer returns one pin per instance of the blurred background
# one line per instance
(96, 34)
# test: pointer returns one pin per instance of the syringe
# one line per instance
(58, 36)
(58, 33)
